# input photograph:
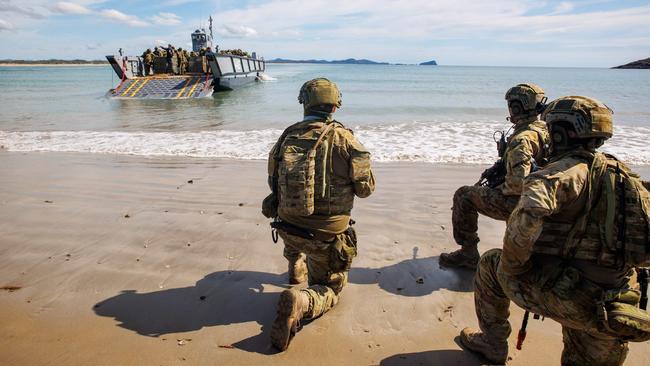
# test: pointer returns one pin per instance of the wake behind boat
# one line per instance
(176, 74)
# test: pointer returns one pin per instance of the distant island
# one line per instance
(53, 62)
(349, 61)
(429, 63)
(640, 64)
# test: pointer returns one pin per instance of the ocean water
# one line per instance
(443, 114)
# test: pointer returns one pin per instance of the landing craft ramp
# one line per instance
(164, 87)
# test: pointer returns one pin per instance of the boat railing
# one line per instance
(219, 65)
(233, 65)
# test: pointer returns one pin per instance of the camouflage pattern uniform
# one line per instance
(533, 270)
(147, 57)
(525, 146)
(541, 284)
(351, 175)
(342, 172)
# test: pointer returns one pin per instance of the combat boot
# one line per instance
(466, 256)
(493, 350)
(292, 306)
(298, 271)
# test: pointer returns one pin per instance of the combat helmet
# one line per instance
(525, 100)
(319, 91)
(589, 117)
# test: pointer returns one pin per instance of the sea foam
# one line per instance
(446, 142)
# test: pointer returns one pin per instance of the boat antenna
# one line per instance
(211, 36)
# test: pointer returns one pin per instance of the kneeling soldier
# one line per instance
(571, 246)
(315, 170)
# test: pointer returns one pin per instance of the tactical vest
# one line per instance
(613, 228)
(306, 183)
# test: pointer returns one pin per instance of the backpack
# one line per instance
(618, 216)
(297, 171)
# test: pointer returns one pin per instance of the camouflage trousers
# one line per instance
(554, 293)
(328, 263)
(469, 201)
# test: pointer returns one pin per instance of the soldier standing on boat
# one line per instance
(497, 197)
(170, 58)
(180, 61)
(315, 170)
(147, 58)
(571, 247)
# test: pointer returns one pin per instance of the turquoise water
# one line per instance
(416, 113)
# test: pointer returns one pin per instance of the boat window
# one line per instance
(225, 65)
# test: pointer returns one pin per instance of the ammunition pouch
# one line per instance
(564, 282)
(620, 316)
(344, 249)
(270, 206)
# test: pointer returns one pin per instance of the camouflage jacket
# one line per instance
(348, 171)
(557, 188)
(556, 194)
(525, 144)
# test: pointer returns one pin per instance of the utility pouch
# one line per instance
(619, 316)
(343, 251)
(566, 283)
(270, 206)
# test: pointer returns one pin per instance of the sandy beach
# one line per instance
(124, 260)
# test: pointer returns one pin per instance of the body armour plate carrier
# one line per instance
(306, 183)
(613, 230)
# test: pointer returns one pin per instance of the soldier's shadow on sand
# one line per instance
(415, 277)
(432, 358)
(232, 297)
(220, 298)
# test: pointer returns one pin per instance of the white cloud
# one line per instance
(236, 31)
(163, 18)
(7, 6)
(401, 31)
(65, 7)
(564, 7)
(5, 25)
(177, 2)
(118, 16)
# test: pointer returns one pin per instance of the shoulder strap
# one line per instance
(323, 133)
(593, 185)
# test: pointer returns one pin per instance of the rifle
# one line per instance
(495, 175)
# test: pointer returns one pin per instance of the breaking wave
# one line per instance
(467, 143)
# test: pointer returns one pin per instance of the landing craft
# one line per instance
(204, 75)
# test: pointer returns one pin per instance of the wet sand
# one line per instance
(134, 261)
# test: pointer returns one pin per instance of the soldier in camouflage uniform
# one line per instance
(182, 61)
(554, 261)
(319, 246)
(525, 147)
(147, 58)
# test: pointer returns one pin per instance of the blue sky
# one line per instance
(598, 33)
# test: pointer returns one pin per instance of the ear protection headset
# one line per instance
(516, 108)
(559, 135)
